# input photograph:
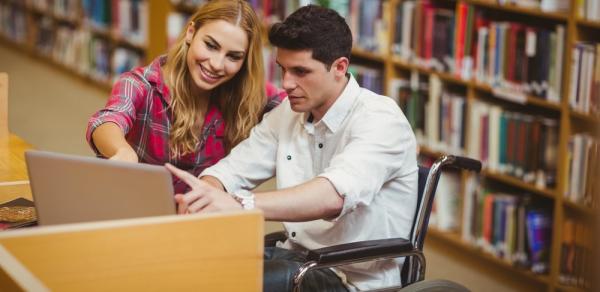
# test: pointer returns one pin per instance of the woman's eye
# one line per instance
(210, 46)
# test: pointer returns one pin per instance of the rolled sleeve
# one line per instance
(120, 108)
(371, 159)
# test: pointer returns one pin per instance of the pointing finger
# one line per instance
(185, 176)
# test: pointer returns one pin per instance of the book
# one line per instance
(18, 205)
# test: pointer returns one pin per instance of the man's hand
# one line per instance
(203, 197)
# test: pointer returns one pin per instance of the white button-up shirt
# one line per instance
(364, 146)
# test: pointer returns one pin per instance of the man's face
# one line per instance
(309, 85)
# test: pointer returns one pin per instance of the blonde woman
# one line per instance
(190, 107)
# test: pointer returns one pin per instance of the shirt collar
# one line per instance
(153, 74)
(340, 109)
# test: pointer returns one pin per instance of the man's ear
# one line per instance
(340, 66)
(189, 33)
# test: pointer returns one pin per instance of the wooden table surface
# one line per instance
(14, 181)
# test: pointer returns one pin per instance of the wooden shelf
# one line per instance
(106, 86)
(184, 8)
(122, 41)
(579, 208)
(430, 152)
(54, 16)
(595, 24)
(565, 288)
(450, 78)
(537, 12)
(444, 76)
(529, 99)
(363, 54)
(514, 181)
(585, 117)
(455, 240)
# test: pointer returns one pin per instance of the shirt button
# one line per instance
(289, 157)
(293, 234)
(320, 145)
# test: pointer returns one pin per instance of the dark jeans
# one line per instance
(280, 265)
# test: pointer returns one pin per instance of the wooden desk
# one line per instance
(14, 181)
(212, 252)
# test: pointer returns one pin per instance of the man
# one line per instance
(344, 159)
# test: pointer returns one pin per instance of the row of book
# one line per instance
(43, 34)
(368, 77)
(514, 143)
(86, 53)
(13, 22)
(176, 22)
(576, 255)
(66, 9)
(77, 48)
(368, 21)
(424, 33)
(583, 157)
(445, 211)
(544, 5)
(126, 19)
(588, 9)
(584, 94)
(520, 58)
(436, 114)
(476, 45)
(514, 228)
(272, 70)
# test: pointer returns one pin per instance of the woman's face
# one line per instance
(216, 53)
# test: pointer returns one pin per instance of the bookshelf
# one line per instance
(569, 121)
(550, 105)
(551, 108)
(92, 40)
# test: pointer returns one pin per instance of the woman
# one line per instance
(190, 107)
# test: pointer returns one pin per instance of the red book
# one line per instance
(488, 218)
(459, 44)
(511, 52)
(429, 13)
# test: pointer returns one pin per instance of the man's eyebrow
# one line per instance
(219, 45)
(294, 67)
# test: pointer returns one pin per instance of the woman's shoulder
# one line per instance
(143, 77)
(275, 96)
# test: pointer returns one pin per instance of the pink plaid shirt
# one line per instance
(139, 106)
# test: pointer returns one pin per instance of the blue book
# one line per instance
(539, 235)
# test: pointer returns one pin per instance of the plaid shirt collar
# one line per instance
(153, 74)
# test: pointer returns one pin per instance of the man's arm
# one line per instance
(213, 181)
(315, 199)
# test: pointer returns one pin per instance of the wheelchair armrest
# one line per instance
(272, 238)
(462, 162)
(361, 251)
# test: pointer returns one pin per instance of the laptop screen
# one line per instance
(70, 189)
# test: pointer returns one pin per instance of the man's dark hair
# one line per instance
(315, 28)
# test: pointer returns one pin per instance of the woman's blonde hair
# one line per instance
(241, 99)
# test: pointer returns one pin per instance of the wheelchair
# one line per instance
(413, 271)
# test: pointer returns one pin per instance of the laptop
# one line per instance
(71, 189)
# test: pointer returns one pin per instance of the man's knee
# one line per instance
(278, 275)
